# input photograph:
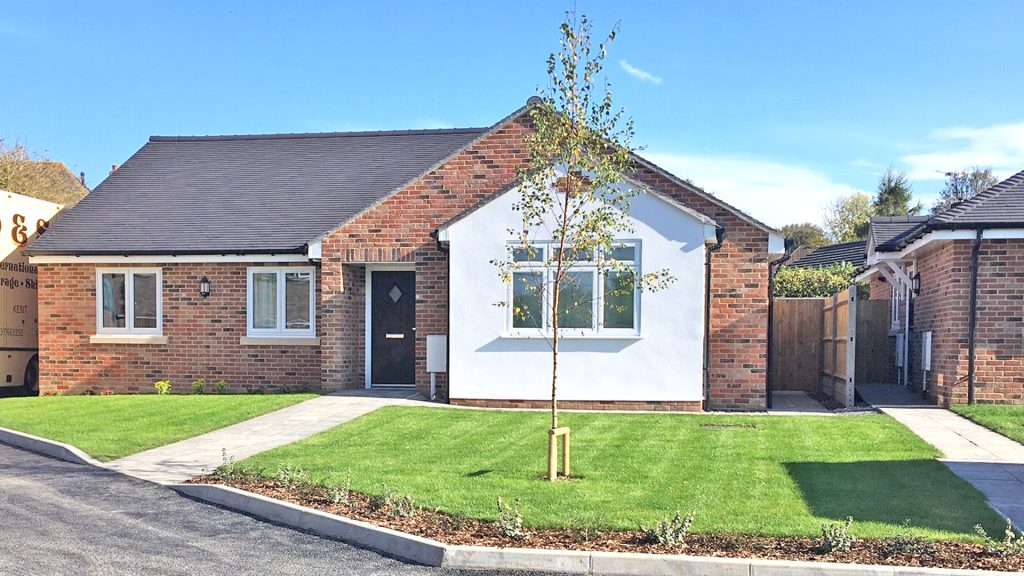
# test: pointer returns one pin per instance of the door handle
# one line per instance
(398, 336)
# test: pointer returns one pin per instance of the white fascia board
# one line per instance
(442, 234)
(314, 250)
(1003, 234)
(866, 275)
(776, 244)
(939, 235)
(710, 234)
(167, 259)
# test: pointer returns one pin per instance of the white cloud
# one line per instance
(1000, 146)
(639, 74)
(773, 192)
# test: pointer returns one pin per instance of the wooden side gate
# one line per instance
(839, 346)
(824, 346)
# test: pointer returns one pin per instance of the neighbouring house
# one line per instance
(45, 180)
(332, 260)
(852, 252)
(956, 283)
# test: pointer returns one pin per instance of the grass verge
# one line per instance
(1006, 419)
(110, 427)
(767, 475)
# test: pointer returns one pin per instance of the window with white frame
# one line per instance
(281, 302)
(129, 301)
(598, 294)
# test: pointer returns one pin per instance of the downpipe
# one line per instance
(706, 384)
(973, 316)
(773, 267)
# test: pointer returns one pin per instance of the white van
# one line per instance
(21, 219)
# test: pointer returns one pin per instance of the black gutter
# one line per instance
(719, 238)
(973, 318)
(773, 267)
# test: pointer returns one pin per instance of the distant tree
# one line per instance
(895, 195)
(847, 218)
(805, 234)
(963, 185)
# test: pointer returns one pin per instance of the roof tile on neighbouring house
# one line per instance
(852, 252)
(1000, 205)
(886, 232)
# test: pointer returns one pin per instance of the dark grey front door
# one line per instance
(392, 328)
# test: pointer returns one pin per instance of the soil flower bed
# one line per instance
(453, 529)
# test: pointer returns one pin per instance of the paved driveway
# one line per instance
(61, 518)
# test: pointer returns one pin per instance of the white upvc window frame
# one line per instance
(597, 329)
(281, 331)
(129, 301)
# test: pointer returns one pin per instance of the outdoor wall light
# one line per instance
(204, 287)
(915, 283)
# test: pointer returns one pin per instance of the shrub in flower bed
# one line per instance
(400, 513)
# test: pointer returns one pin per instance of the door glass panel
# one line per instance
(576, 300)
(296, 291)
(113, 286)
(144, 300)
(527, 299)
(264, 298)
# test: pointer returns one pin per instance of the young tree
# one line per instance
(805, 234)
(894, 196)
(574, 202)
(963, 185)
(847, 218)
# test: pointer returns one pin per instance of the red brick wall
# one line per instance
(943, 308)
(880, 288)
(203, 337)
(399, 230)
(739, 303)
(343, 329)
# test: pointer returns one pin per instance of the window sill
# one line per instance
(571, 336)
(271, 341)
(127, 339)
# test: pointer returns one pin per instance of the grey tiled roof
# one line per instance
(1000, 205)
(888, 231)
(244, 194)
(852, 252)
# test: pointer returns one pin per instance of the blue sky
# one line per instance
(776, 106)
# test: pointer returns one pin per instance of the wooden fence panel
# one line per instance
(875, 358)
(796, 344)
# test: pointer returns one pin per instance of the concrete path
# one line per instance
(785, 403)
(993, 463)
(188, 458)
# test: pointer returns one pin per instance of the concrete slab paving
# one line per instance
(793, 403)
(991, 462)
(192, 457)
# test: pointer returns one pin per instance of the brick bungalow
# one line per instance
(956, 281)
(327, 260)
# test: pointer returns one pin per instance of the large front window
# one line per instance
(281, 302)
(597, 294)
(128, 301)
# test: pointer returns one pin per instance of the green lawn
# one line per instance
(1005, 419)
(749, 474)
(109, 427)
